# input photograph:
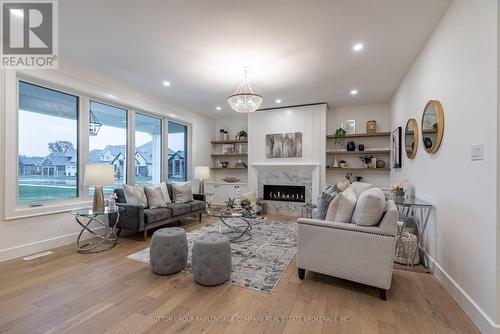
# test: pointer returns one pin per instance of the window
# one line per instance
(108, 141)
(47, 144)
(147, 149)
(177, 153)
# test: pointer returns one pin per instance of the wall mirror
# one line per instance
(411, 138)
(432, 126)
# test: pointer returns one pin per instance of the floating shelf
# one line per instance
(214, 142)
(360, 168)
(229, 155)
(229, 168)
(343, 152)
(362, 135)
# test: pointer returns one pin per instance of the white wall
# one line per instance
(28, 235)
(458, 66)
(361, 114)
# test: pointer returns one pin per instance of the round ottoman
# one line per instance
(168, 252)
(211, 259)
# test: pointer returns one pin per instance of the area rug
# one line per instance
(257, 264)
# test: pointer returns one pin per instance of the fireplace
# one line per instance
(284, 193)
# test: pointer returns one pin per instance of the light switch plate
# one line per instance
(476, 152)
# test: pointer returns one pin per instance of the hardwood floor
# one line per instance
(107, 293)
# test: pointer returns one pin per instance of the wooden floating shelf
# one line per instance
(229, 168)
(229, 154)
(229, 142)
(358, 152)
(362, 135)
(360, 168)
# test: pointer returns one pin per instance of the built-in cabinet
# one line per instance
(222, 191)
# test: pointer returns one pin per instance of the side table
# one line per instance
(107, 237)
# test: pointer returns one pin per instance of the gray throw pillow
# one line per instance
(182, 192)
(324, 201)
(134, 195)
(155, 197)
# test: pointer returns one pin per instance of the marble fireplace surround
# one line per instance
(297, 174)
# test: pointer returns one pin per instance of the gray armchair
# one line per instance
(357, 253)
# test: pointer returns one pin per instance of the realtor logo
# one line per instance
(29, 34)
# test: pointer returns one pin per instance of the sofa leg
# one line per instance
(302, 273)
(145, 235)
(199, 217)
(382, 293)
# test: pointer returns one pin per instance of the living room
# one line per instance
(297, 166)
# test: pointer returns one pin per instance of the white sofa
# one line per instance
(357, 253)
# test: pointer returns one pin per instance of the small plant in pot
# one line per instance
(241, 135)
(339, 137)
(367, 160)
(342, 164)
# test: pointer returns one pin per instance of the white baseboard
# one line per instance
(38, 246)
(470, 307)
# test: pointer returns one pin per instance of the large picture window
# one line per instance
(147, 149)
(47, 144)
(177, 151)
(108, 141)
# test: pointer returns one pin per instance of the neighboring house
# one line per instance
(176, 165)
(29, 165)
(55, 163)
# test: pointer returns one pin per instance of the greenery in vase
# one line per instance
(241, 135)
(340, 136)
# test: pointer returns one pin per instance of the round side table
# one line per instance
(107, 237)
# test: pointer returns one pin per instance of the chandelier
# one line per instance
(244, 100)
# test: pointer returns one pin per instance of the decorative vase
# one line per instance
(380, 164)
(351, 146)
(398, 192)
(361, 147)
(427, 142)
(335, 163)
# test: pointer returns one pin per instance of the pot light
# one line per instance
(354, 92)
(218, 108)
(166, 83)
(358, 47)
(278, 101)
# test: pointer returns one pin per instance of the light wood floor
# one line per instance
(107, 293)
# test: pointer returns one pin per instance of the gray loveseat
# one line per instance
(139, 219)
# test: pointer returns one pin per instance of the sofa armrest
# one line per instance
(346, 226)
(132, 217)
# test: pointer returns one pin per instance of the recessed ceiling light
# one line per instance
(218, 108)
(358, 47)
(166, 83)
(278, 101)
(354, 92)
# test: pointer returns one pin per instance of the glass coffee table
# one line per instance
(234, 223)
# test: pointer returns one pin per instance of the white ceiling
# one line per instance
(297, 50)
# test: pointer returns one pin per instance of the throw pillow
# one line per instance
(324, 201)
(342, 207)
(164, 191)
(359, 187)
(343, 185)
(155, 197)
(135, 195)
(182, 192)
(369, 208)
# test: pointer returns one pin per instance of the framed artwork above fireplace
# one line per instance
(284, 145)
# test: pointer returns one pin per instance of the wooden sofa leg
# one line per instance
(199, 217)
(382, 293)
(302, 273)
(145, 235)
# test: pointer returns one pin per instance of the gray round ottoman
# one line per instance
(211, 259)
(168, 252)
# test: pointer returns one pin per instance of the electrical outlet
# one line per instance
(476, 152)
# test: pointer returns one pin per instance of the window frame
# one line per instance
(188, 144)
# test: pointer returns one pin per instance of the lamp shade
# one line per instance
(201, 172)
(99, 174)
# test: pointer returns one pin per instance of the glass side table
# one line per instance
(107, 237)
(307, 210)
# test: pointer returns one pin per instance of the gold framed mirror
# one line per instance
(411, 138)
(432, 126)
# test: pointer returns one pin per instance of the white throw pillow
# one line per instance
(359, 187)
(342, 186)
(342, 207)
(135, 195)
(369, 208)
(182, 192)
(155, 197)
(164, 191)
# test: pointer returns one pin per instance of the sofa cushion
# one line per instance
(370, 207)
(155, 215)
(182, 192)
(342, 207)
(135, 195)
(359, 187)
(179, 208)
(197, 205)
(155, 197)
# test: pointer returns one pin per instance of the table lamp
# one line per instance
(202, 173)
(98, 175)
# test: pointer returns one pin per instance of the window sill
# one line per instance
(48, 209)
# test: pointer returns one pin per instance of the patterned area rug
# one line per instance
(256, 264)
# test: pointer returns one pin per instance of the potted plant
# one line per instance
(342, 164)
(339, 137)
(367, 160)
(241, 135)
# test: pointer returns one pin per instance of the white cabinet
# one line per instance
(223, 191)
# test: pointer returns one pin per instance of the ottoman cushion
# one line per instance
(211, 259)
(169, 251)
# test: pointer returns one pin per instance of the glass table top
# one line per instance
(87, 212)
(409, 201)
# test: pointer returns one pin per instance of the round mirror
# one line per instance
(432, 126)
(411, 138)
